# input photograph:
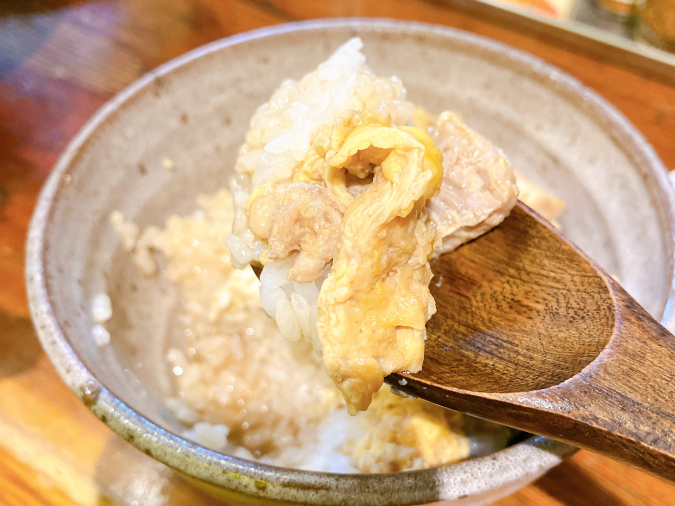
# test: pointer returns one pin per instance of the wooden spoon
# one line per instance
(529, 332)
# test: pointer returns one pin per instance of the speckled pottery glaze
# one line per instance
(195, 110)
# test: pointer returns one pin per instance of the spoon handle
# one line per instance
(623, 404)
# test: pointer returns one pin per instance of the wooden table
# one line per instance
(59, 61)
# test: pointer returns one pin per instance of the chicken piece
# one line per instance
(374, 305)
(405, 434)
(298, 217)
(549, 206)
(479, 187)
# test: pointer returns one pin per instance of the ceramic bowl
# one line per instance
(195, 109)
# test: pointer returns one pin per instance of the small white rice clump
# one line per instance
(278, 141)
(212, 436)
(100, 335)
(127, 231)
(101, 312)
(101, 307)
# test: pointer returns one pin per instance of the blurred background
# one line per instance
(60, 60)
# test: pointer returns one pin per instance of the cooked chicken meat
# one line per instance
(479, 187)
(296, 217)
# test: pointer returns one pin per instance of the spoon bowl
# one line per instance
(513, 329)
(531, 333)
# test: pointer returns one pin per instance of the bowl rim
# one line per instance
(534, 455)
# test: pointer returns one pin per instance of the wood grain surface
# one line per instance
(539, 338)
(59, 61)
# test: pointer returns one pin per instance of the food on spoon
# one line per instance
(344, 190)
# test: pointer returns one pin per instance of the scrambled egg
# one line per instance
(406, 434)
(374, 305)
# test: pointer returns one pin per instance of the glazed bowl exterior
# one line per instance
(195, 110)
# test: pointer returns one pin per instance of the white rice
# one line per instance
(240, 387)
(324, 453)
(101, 312)
(212, 436)
(140, 245)
(100, 335)
(293, 305)
(101, 307)
(167, 164)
